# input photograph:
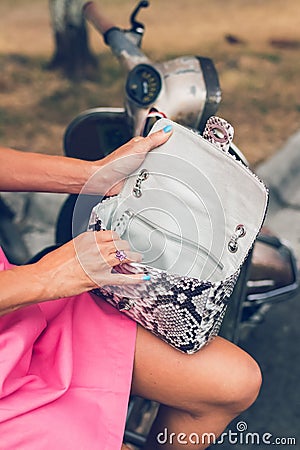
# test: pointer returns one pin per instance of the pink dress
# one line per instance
(65, 375)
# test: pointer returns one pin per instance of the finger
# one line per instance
(112, 259)
(120, 245)
(120, 279)
(144, 145)
(106, 236)
(133, 257)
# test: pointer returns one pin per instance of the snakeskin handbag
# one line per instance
(193, 211)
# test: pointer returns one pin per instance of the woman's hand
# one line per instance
(86, 263)
(83, 264)
(109, 174)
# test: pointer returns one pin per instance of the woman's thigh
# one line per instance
(218, 374)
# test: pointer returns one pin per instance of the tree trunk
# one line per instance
(72, 54)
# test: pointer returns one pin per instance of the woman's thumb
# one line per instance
(119, 279)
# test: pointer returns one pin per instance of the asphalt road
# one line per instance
(274, 419)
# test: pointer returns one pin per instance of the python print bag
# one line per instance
(193, 211)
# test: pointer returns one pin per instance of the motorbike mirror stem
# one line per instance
(137, 28)
(124, 47)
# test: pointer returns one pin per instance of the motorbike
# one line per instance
(185, 89)
(11, 239)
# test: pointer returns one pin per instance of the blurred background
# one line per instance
(255, 45)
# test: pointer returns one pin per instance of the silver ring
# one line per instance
(120, 255)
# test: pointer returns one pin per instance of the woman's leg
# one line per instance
(199, 393)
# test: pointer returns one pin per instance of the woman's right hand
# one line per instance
(86, 263)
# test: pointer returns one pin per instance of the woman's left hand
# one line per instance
(110, 173)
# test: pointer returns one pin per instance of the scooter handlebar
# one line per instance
(125, 49)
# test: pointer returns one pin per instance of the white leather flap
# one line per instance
(191, 209)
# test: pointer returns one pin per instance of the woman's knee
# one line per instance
(237, 382)
(246, 384)
(219, 376)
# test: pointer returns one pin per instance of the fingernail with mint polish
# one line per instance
(147, 277)
(167, 128)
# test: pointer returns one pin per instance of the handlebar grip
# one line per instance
(127, 51)
(99, 21)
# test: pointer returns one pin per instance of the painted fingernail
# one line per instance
(167, 128)
(147, 277)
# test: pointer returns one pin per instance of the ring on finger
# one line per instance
(120, 255)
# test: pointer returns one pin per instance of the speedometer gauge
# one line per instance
(143, 84)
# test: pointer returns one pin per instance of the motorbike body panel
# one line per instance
(96, 132)
(187, 91)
